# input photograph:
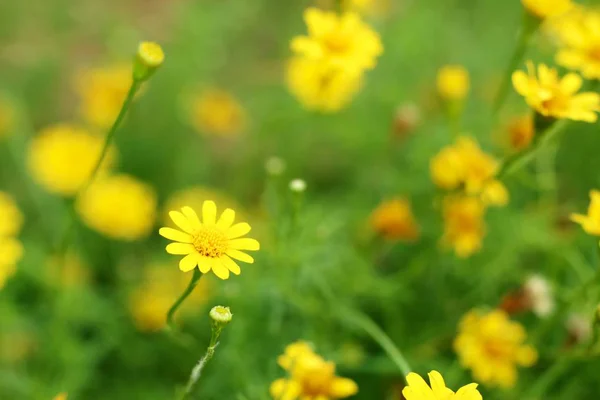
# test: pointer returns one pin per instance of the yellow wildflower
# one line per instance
(119, 207)
(102, 92)
(543, 9)
(11, 218)
(417, 389)
(465, 165)
(579, 39)
(151, 300)
(11, 251)
(61, 158)
(340, 41)
(464, 227)
(394, 220)
(590, 222)
(492, 346)
(217, 112)
(321, 87)
(311, 377)
(556, 97)
(209, 244)
(453, 82)
(7, 117)
(521, 132)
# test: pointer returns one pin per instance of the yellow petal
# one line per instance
(188, 262)
(220, 270)
(342, 387)
(238, 255)
(520, 82)
(244, 244)
(238, 230)
(174, 234)
(191, 215)
(468, 392)
(285, 389)
(226, 219)
(181, 221)
(209, 212)
(571, 83)
(417, 389)
(231, 265)
(438, 386)
(180, 248)
(204, 264)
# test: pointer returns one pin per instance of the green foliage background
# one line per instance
(304, 276)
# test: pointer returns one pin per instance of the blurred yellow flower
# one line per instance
(464, 227)
(11, 218)
(321, 87)
(465, 165)
(61, 396)
(61, 158)
(311, 377)
(552, 96)
(209, 244)
(590, 222)
(520, 132)
(102, 92)
(547, 8)
(453, 82)
(417, 389)
(579, 39)
(394, 220)
(339, 41)
(492, 346)
(7, 117)
(368, 7)
(151, 300)
(11, 252)
(119, 207)
(216, 112)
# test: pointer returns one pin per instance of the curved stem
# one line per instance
(190, 288)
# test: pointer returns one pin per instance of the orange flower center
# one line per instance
(210, 242)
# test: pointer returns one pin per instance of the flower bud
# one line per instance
(148, 58)
(298, 185)
(221, 315)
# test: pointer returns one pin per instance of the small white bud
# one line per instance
(298, 185)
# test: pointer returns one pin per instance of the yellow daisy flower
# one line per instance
(555, 97)
(311, 377)
(210, 244)
(543, 9)
(341, 41)
(453, 82)
(590, 222)
(520, 132)
(216, 112)
(394, 220)
(492, 346)
(579, 39)
(417, 389)
(464, 227)
(11, 218)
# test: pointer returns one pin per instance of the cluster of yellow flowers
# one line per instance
(310, 377)
(491, 345)
(329, 63)
(469, 173)
(11, 249)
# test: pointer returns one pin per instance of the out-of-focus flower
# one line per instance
(119, 207)
(465, 165)
(539, 295)
(521, 132)
(464, 227)
(406, 120)
(102, 92)
(321, 87)
(11, 252)
(311, 377)
(7, 117)
(194, 197)
(209, 244)
(579, 328)
(61, 158)
(394, 220)
(555, 97)
(453, 82)
(590, 222)
(11, 218)
(418, 389)
(579, 41)
(338, 41)
(216, 112)
(543, 9)
(151, 300)
(297, 185)
(492, 346)
(61, 396)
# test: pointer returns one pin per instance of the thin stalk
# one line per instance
(190, 288)
(197, 371)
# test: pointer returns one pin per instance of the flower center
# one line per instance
(497, 349)
(210, 242)
(336, 43)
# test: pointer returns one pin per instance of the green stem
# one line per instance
(542, 385)
(528, 28)
(190, 288)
